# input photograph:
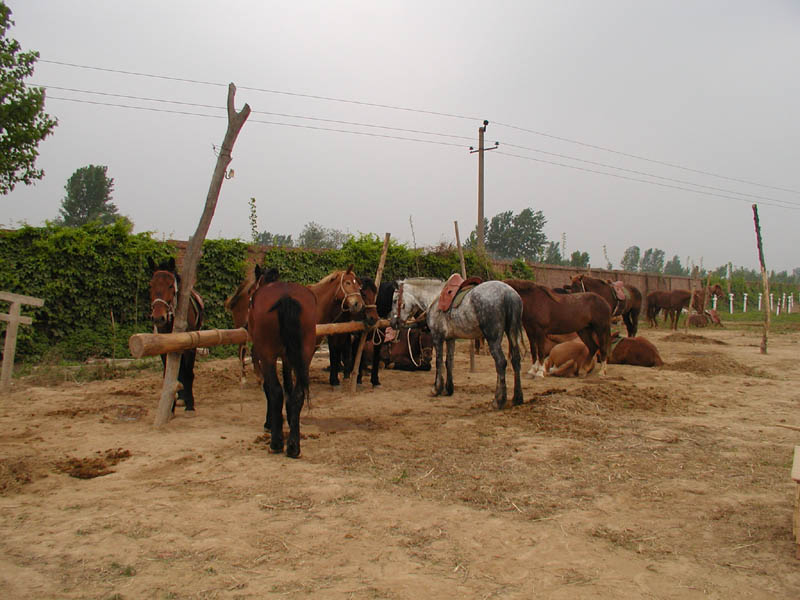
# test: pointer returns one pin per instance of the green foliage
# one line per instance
(88, 198)
(23, 122)
(673, 267)
(630, 260)
(579, 259)
(552, 254)
(652, 261)
(253, 221)
(511, 236)
(520, 270)
(265, 238)
(316, 236)
(221, 269)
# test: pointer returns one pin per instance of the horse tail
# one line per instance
(291, 335)
(513, 324)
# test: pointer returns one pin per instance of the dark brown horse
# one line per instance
(238, 304)
(282, 323)
(545, 312)
(164, 287)
(628, 307)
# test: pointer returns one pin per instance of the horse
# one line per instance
(625, 300)
(569, 358)
(637, 351)
(164, 287)
(238, 304)
(339, 299)
(382, 298)
(282, 322)
(675, 301)
(489, 309)
(587, 314)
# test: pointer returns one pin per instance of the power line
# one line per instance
(261, 112)
(666, 185)
(646, 174)
(296, 125)
(428, 112)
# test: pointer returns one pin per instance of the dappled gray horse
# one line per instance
(489, 310)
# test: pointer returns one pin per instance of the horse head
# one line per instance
(716, 290)
(576, 284)
(163, 293)
(349, 292)
(369, 292)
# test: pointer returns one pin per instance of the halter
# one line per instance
(344, 307)
(171, 306)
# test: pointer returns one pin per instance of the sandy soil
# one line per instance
(651, 483)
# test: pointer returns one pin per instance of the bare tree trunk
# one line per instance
(192, 255)
(464, 275)
(764, 278)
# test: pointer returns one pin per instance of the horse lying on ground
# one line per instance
(546, 313)
(708, 317)
(568, 359)
(410, 350)
(164, 289)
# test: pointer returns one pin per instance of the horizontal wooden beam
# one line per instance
(20, 319)
(151, 344)
(9, 297)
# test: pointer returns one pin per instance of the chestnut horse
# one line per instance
(282, 322)
(587, 314)
(164, 287)
(628, 308)
(238, 304)
(675, 301)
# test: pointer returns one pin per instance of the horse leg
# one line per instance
(496, 350)
(288, 383)
(294, 404)
(274, 394)
(242, 358)
(631, 319)
(516, 364)
(534, 354)
(540, 341)
(186, 378)
(376, 363)
(438, 382)
(451, 353)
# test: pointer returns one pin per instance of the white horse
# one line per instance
(489, 310)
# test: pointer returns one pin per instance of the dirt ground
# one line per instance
(670, 482)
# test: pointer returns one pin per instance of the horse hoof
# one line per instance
(190, 412)
(292, 452)
(275, 450)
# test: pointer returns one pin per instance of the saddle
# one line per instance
(619, 290)
(455, 289)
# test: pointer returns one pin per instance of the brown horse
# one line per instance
(282, 322)
(545, 312)
(675, 301)
(164, 287)
(628, 307)
(238, 304)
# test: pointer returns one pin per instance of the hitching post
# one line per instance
(14, 318)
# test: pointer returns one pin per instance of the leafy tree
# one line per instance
(88, 198)
(265, 238)
(579, 259)
(316, 236)
(673, 267)
(652, 261)
(552, 254)
(513, 236)
(23, 122)
(630, 260)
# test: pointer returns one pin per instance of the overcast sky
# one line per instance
(638, 103)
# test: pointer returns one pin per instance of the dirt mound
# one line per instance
(715, 363)
(690, 338)
(14, 473)
(93, 466)
(613, 397)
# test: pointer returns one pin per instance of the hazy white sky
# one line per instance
(710, 86)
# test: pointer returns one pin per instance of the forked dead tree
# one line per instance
(189, 268)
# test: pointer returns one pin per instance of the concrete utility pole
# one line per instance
(481, 232)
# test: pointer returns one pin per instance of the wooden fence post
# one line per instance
(464, 275)
(189, 268)
(14, 319)
(764, 278)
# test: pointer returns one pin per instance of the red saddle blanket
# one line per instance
(619, 290)
(452, 287)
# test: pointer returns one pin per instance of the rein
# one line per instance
(171, 306)
(410, 352)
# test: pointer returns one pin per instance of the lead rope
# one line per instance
(410, 353)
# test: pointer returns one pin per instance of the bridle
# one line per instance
(346, 295)
(171, 306)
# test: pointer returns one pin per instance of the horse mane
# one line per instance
(368, 283)
(240, 291)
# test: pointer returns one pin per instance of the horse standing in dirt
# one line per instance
(164, 286)
(282, 322)
(625, 300)
(676, 301)
(489, 309)
(238, 304)
(587, 314)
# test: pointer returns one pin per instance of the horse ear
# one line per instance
(258, 272)
(349, 269)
